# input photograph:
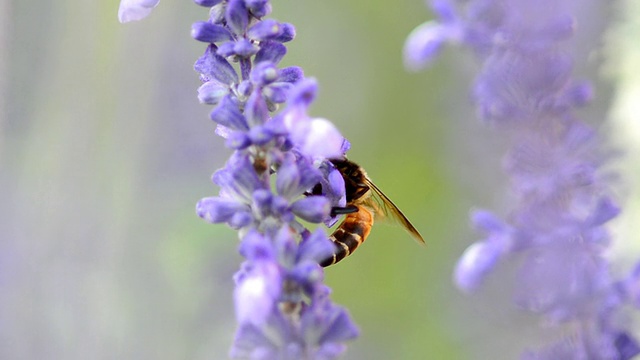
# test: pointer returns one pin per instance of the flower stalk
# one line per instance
(278, 175)
(282, 306)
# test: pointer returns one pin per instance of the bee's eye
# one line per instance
(317, 189)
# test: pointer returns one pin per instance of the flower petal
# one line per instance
(134, 10)
(270, 51)
(237, 16)
(291, 74)
(265, 30)
(317, 138)
(313, 208)
(217, 210)
(207, 32)
(216, 67)
(256, 294)
(422, 45)
(228, 115)
(315, 247)
(259, 8)
(211, 92)
(474, 264)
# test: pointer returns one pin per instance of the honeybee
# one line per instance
(365, 202)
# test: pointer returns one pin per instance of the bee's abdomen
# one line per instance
(351, 233)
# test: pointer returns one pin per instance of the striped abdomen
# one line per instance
(352, 232)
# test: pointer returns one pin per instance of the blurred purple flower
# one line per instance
(133, 10)
(562, 203)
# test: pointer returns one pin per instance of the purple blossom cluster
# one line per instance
(277, 175)
(562, 201)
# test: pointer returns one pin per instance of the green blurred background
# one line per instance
(104, 151)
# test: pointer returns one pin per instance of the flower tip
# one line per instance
(259, 8)
(318, 137)
(422, 45)
(207, 3)
(475, 263)
(486, 221)
(216, 210)
(209, 33)
(212, 92)
(237, 16)
(304, 92)
(346, 145)
(288, 33)
(264, 73)
(134, 10)
(341, 329)
(313, 208)
(291, 74)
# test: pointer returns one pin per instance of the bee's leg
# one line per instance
(350, 209)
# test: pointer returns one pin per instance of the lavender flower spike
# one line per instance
(562, 201)
(283, 308)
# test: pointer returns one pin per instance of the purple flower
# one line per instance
(321, 335)
(246, 202)
(562, 202)
(282, 307)
(278, 274)
(315, 137)
(133, 10)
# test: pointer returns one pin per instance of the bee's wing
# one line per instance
(385, 208)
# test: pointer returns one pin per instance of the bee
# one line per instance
(365, 202)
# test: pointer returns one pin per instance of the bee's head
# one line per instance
(354, 178)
